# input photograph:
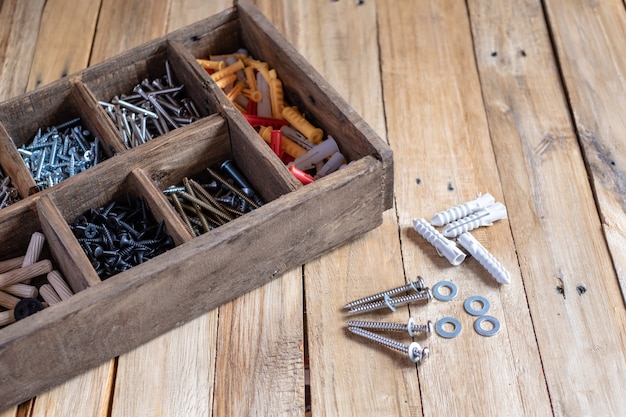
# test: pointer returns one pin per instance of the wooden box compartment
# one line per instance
(22, 117)
(106, 318)
(120, 76)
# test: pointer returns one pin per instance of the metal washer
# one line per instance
(487, 333)
(444, 333)
(471, 310)
(446, 284)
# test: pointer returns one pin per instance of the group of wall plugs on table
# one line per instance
(457, 222)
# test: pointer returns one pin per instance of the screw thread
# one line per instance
(378, 325)
(385, 341)
(423, 328)
(397, 301)
(417, 284)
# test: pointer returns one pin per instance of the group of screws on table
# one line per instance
(458, 221)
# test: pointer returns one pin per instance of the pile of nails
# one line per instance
(120, 235)
(19, 295)
(8, 193)
(60, 152)
(154, 108)
(203, 207)
(413, 291)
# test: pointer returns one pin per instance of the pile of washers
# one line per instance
(468, 305)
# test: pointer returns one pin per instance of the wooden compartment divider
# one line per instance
(13, 165)
(159, 206)
(96, 116)
(295, 225)
(74, 264)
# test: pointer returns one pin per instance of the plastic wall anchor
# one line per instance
(316, 154)
(264, 106)
(302, 176)
(462, 210)
(256, 121)
(445, 247)
(277, 100)
(276, 142)
(298, 121)
(287, 146)
(296, 137)
(486, 259)
(331, 165)
(483, 217)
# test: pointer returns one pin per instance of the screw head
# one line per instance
(417, 354)
(27, 307)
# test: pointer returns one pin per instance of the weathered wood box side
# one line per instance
(297, 224)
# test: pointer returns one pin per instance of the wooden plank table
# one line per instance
(523, 100)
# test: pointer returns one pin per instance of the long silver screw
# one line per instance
(411, 327)
(392, 303)
(417, 286)
(414, 351)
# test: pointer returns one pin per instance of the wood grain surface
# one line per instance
(523, 100)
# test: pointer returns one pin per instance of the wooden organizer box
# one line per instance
(297, 224)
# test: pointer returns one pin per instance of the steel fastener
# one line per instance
(411, 327)
(414, 351)
(392, 303)
(417, 286)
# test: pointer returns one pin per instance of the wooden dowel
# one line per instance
(8, 301)
(49, 295)
(34, 249)
(10, 264)
(6, 317)
(22, 274)
(22, 290)
(60, 286)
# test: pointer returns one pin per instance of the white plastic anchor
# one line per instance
(486, 259)
(483, 217)
(332, 165)
(316, 154)
(462, 210)
(445, 247)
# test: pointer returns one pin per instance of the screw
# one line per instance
(414, 351)
(392, 303)
(411, 327)
(99, 252)
(417, 286)
(232, 188)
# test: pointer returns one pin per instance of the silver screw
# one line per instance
(392, 303)
(417, 286)
(414, 351)
(411, 327)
